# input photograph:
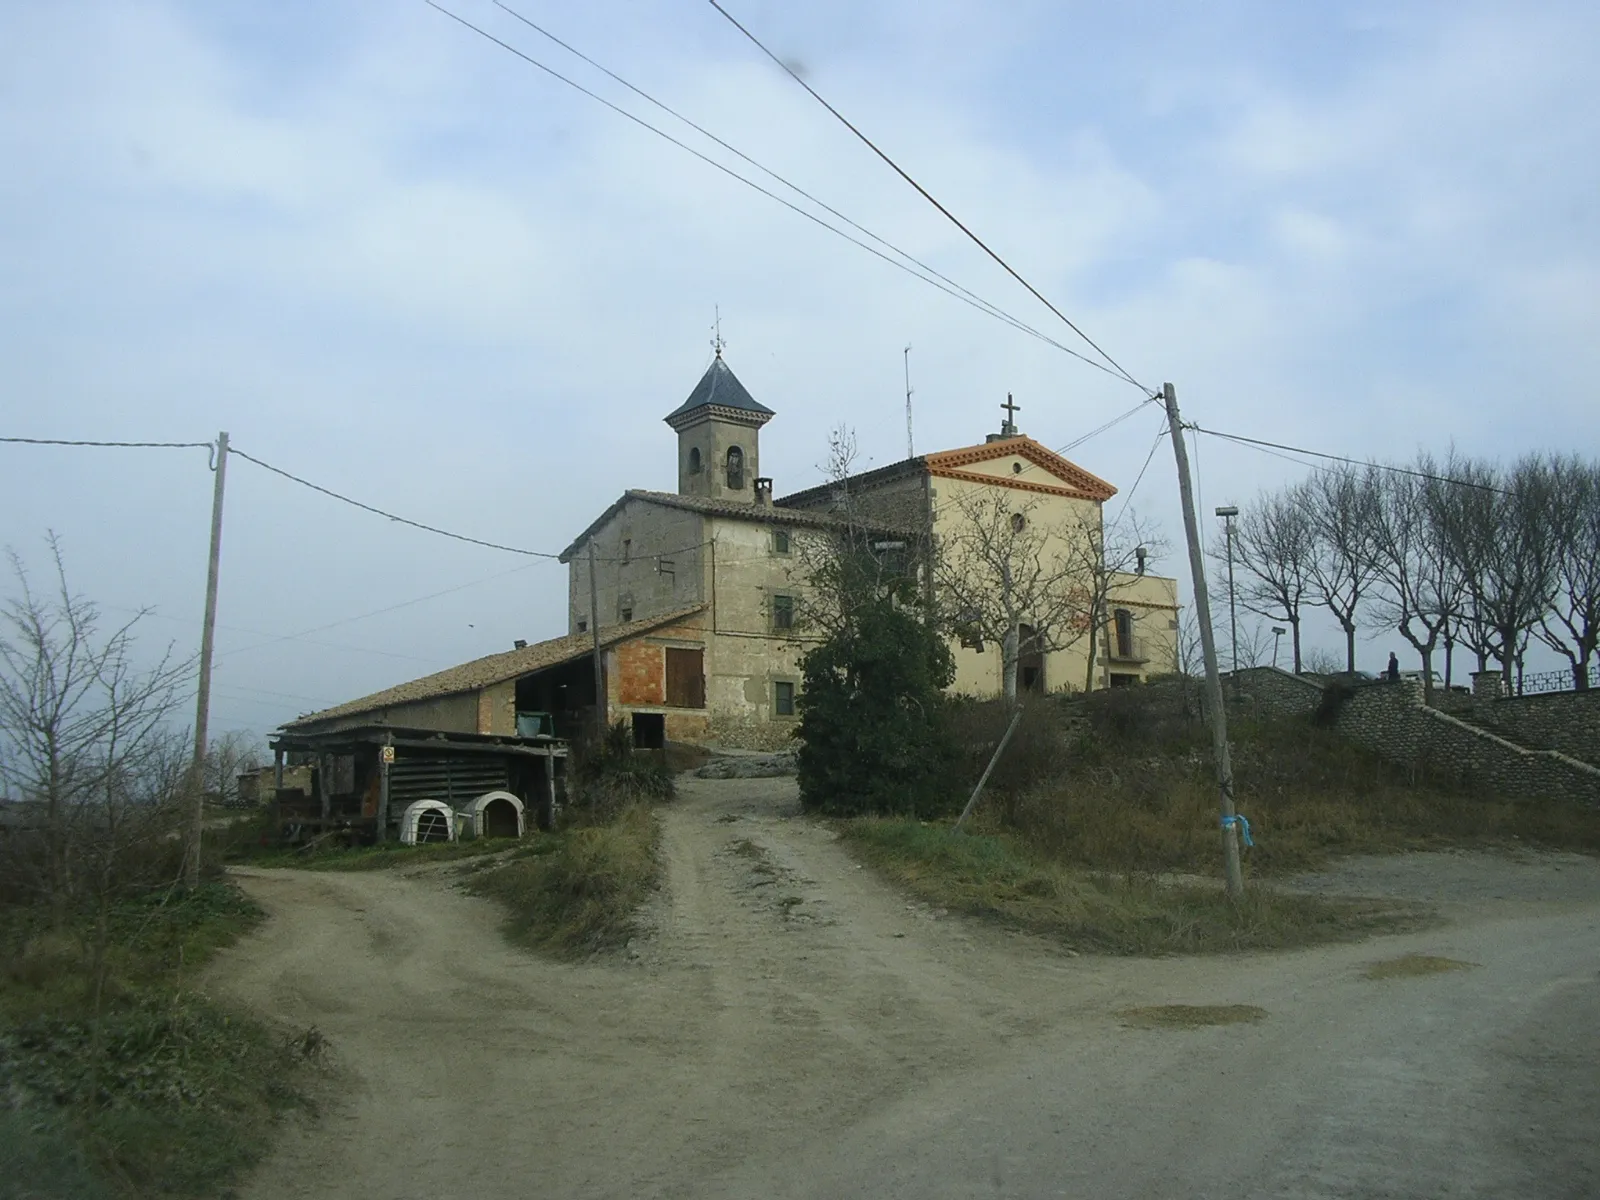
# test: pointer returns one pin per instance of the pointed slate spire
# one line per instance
(720, 388)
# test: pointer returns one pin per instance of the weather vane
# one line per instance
(717, 343)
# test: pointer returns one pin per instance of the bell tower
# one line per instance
(719, 438)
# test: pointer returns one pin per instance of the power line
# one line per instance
(316, 487)
(116, 445)
(954, 290)
(928, 196)
(1128, 499)
(1354, 462)
(993, 309)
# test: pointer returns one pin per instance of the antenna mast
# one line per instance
(910, 451)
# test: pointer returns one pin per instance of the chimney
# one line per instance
(520, 644)
(764, 490)
(1141, 553)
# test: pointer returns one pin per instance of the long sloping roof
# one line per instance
(762, 514)
(495, 668)
(719, 387)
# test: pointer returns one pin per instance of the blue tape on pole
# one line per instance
(1244, 827)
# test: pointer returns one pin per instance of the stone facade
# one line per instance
(1564, 721)
(1268, 692)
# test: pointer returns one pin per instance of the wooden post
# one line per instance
(984, 778)
(1208, 647)
(277, 770)
(385, 754)
(550, 784)
(208, 627)
(600, 705)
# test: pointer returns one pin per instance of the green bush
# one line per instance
(871, 709)
(608, 776)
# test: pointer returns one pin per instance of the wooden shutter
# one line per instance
(686, 680)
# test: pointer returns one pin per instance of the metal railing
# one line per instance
(1539, 683)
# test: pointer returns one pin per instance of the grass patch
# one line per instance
(1409, 966)
(159, 1092)
(580, 892)
(997, 877)
(1191, 1016)
(1124, 783)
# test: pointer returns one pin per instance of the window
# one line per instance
(694, 460)
(1124, 624)
(686, 680)
(735, 469)
(1018, 522)
(783, 612)
(627, 615)
(583, 626)
(627, 550)
(780, 541)
(783, 698)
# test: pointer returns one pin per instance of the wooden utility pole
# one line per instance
(599, 665)
(208, 629)
(1208, 648)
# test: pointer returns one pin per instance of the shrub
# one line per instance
(872, 735)
(608, 776)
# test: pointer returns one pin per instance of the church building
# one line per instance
(722, 546)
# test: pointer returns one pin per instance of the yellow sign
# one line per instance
(386, 754)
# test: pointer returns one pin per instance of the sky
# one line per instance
(389, 256)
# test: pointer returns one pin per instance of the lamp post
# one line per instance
(1277, 632)
(1228, 512)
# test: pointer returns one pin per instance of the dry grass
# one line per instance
(1191, 1016)
(1001, 878)
(1131, 789)
(1409, 966)
(159, 1092)
(579, 891)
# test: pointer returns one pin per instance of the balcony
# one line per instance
(1124, 650)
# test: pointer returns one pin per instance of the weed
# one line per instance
(581, 895)
(997, 876)
(1409, 966)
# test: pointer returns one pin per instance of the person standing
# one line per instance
(1394, 668)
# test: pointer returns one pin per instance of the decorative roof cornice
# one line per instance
(1077, 481)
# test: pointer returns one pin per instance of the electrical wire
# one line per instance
(117, 445)
(317, 487)
(928, 196)
(1354, 462)
(1149, 458)
(955, 291)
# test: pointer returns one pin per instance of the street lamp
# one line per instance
(1277, 632)
(1228, 512)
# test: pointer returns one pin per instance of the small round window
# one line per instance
(1018, 522)
(1016, 468)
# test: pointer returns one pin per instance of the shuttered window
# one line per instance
(686, 680)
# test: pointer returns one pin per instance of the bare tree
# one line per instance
(1499, 530)
(233, 754)
(1341, 506)
(1571, 627)
(1273, 546)
(1000, 568)
(1106, 561)
(1418, 585)
(78, 722)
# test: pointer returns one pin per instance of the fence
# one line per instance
(1542, 682)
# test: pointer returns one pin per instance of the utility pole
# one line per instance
(208, 630)
(1228, 512)
(599, 666)
(910, 451)
(1208, 647)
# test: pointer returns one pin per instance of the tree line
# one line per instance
(1454, 552)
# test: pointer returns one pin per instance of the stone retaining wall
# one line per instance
(1392, 720)
(1270, 692)
(1564, 721)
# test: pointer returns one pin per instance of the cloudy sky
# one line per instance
(391, 257)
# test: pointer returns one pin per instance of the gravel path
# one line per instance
(793, 1027)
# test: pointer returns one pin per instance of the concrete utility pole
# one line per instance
(599, 666)
(1208, 647)
(1228, 512)
(202, 708)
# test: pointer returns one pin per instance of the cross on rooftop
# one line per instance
(1009, 427)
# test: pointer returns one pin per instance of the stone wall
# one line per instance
(1269, 692)
(1564, 721)
(1392, 720)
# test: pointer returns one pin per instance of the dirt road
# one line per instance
(795, 1028)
